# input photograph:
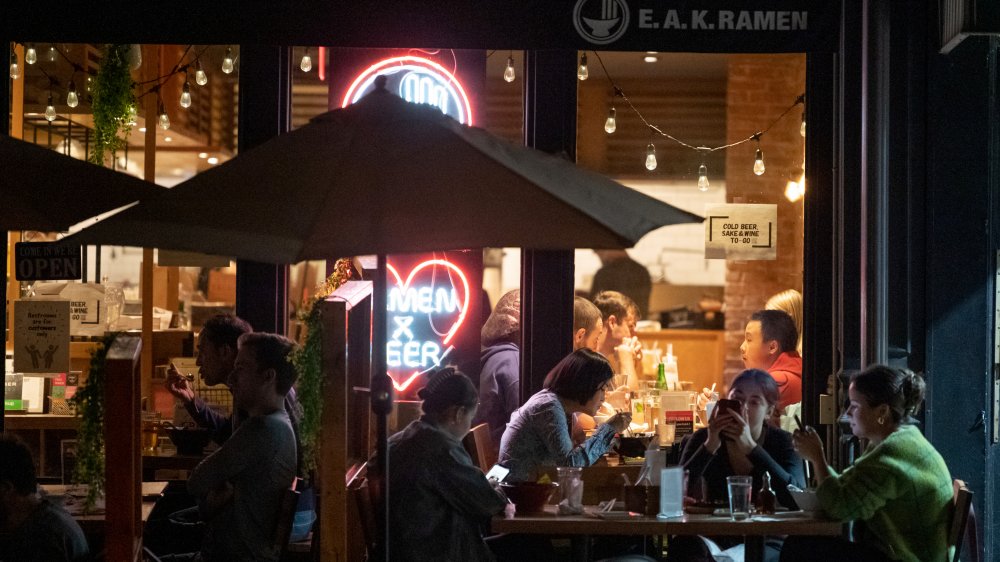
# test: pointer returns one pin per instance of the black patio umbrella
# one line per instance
(41, 189)
(386, 176)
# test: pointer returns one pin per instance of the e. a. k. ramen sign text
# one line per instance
(427, 306)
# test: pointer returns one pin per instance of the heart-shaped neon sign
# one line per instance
(415, 344)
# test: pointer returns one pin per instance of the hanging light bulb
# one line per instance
(164, 119)
(227, 61)
(50, 110)
(802, 127)
(15, 69)
(51, 53)
(86, 85)
(133, 115)
(758, 162)
(186, 95)
(72, 99)
(30, 55)
(307, 63)
(583, 72)
(508, 73)
(611, 124)
(200, 78)
(650, 157)
(703, 177)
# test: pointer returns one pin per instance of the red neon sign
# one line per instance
(419, 309)
(418, 80)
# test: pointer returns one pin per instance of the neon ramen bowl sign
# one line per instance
(425, 311)
(416, 80)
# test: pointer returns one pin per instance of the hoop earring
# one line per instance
(881, 420)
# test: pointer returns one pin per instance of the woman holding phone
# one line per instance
(738, 441)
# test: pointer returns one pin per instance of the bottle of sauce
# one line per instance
(766, 499)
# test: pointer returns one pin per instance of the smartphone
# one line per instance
(497, 473)
(725, 404)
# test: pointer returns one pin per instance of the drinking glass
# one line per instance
(570, 490)
(114, 301)
(666, 432)
(739, 496)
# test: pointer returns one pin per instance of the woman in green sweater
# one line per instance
(899, 491)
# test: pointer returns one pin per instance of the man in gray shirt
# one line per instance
(240, 485)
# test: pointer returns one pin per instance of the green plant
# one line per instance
(89, 401)
(308, 361)
(112, 103)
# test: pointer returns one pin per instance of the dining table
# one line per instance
(71, 498)
(593, 522)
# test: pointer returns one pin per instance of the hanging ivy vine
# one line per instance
(89, 401)
(112, 103)
(308, 361)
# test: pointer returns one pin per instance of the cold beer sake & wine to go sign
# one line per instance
(44, 261)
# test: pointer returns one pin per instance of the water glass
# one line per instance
(739, 496)
(666, 432)
(570, 490)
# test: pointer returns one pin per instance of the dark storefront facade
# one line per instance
(903, 160)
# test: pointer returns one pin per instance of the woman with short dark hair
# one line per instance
(899, 490)
(440, 500)
(538, 434)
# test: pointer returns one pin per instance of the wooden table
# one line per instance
(94, 523)
(586, 525)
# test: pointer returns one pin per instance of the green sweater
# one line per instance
(902, 490)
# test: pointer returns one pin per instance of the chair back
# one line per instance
(963, 523)
(362, 496)
(479, 445)
(286, 515)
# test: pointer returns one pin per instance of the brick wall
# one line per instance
(760, 88)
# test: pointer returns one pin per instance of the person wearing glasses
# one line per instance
(538, 435)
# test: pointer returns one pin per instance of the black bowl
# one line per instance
(190, 440)
(633, 446)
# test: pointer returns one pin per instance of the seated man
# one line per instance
(769, 344)
(620, 315)
(588, 327)
(240, 485)
(31, 527)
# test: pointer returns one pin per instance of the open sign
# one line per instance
(44, 261)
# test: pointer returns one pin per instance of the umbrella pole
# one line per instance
(381, 393)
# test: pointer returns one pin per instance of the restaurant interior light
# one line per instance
(650, 157)
(164, 120)
(307, 63)
(703, 178)
(133, 116)
(213, 160)
(15, 68)
(186, 95)
(611, 123)
(30, 55)
(168, 139)
(200, 78)
(758, 161)
(508, 73)
(583, 72)
(227, 61)
(203, 155)
(802, 127)
(51, 53)
(50, 110)
(72, 99)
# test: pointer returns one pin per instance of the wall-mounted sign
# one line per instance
(36, 261)
(417, 80)
(741, 232)
(41, 336)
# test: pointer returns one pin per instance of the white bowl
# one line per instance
(599, 419)
(806, 500)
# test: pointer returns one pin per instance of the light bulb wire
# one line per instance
(801, 99)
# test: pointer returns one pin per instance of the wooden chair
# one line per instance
(963, 523)
(479, 445)
(286, 515)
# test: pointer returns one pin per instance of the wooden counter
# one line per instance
(701, 354)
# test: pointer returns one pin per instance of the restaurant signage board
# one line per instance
(741, 232)
(38, 261)
(428, 310)
(41, 336)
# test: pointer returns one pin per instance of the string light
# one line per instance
(30, 55)
(51, 53)
(133, 115)
(15, 68)
(185, 100)
(164, 119)
(611, 124)
(650, 157)
(200, 78)
(508, 73)
(703, 178)
(50, 110)
(583, 72)
(307, 63)
(227, 61)
(758, 158)
(72, 99)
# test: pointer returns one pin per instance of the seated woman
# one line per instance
(538, 435)
(899, 490)
(743, 444)
(440, 500)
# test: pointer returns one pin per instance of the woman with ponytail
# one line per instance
(899, 491)
(440, 500)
